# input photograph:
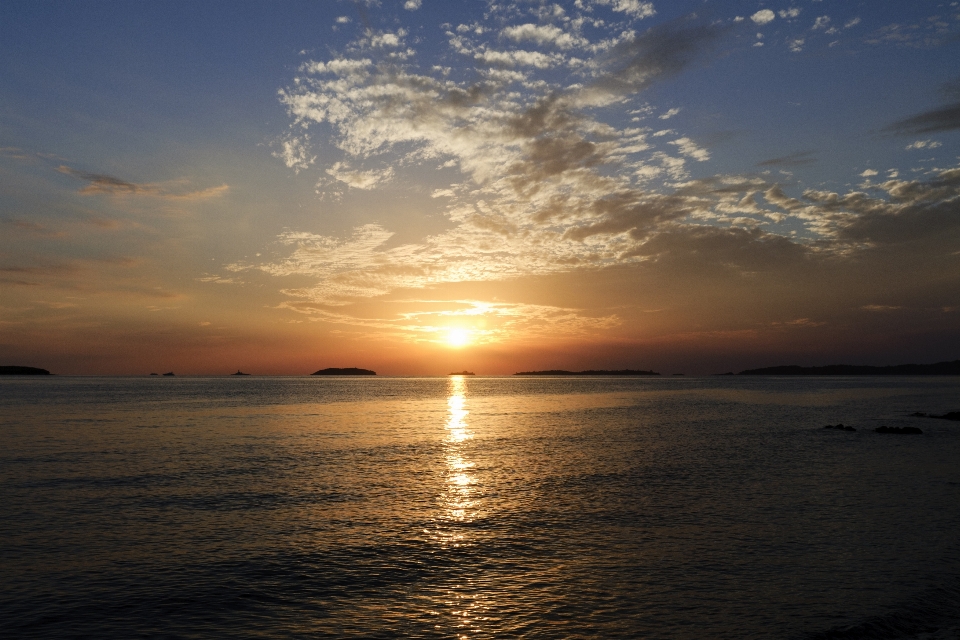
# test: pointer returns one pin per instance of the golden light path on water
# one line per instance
(458, 502)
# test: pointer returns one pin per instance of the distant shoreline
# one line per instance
(592, 372)
(951, 368)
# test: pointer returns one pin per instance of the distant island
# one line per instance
(462, 373)
(592, 372)
(349, 371)
(938, 369)
(239, 373)
(23, 371)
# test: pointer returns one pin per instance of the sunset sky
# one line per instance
(424, 186)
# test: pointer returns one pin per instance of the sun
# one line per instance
(458, 337)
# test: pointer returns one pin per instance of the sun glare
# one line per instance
(458, 337)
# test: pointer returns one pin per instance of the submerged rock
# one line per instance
(898, 430)
(839, 427)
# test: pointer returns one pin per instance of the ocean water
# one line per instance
(478, 507)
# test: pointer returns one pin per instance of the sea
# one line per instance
(478, 507)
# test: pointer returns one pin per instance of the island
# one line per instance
(592, 372)
(951, 368)
(462, 373)
(23, 371)
(169, 373)
(349, 371)
(239, 373)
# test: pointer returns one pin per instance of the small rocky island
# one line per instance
(592, 372)
(349, 371)
(462, 373)
(23, 371)
(239, 373)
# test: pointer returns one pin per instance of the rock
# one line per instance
(904, 430)
(839, 427)
(462, 373)
(952, 415)
(169, 373)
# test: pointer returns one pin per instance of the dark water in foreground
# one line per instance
(478, 507)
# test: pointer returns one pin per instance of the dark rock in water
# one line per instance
(897, 430)
(839, 427)
(169, 373)
(349, 371)
(952, 415)
(239, 373)
(23, 371)
(462, 373)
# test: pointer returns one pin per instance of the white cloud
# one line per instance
(851, 23)
(796, 45)
(365, 180)
(821, 23)
(343, 20)
(669, 114)
(690, 149)
(543, 34)
(867, 173)
(792, 12)
(412, 5)
(763, 16)
(634, 8)
(923, 144)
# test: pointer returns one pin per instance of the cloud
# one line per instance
(823, 22)
(763, 16)
(669, 114)
(412, 5)
(922, 144)
(99, 183)
(360, 179)
(796, 45)
(543, 34)
(943, 119)
(867, 173)
(786, 14)
(634, 8)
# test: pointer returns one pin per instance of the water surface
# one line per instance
(478, 507)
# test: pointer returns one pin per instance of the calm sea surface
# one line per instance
(478, 507)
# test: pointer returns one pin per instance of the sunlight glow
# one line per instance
(458, 337)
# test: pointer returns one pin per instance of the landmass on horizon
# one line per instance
(23, 371)
(951, 368)
(591, 372)
(349, 371)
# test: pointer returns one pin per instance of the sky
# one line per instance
(419, 187)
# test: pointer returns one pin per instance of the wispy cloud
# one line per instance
(99, 183)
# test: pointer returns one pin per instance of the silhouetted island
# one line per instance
(938, 369)
(239, 373)
(349, 371)
(462, 373)
(560, 372)
(950, 415)
(169, 373)
(23, 371)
